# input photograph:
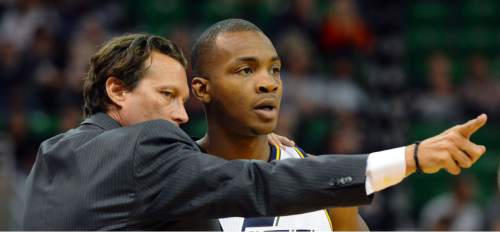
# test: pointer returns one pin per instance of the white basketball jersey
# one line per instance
(312, 221)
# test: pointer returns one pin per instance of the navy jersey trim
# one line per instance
(272, 153)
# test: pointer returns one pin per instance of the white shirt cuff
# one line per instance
(385, 169)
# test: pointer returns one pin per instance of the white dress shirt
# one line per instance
(385, 169)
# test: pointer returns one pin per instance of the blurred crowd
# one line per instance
(359, 76)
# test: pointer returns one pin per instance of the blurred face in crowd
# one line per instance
(160, 94)
(243, 90)
(479, 67)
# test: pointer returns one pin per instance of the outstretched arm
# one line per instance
(169, 171)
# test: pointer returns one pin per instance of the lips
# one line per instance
(266, 109)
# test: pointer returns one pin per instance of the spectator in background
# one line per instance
(9, 72)
(43, 77)
(347, 138)
(84, 42)
(344, 94)
(344, 29)
(23, 17)
(455, 210)
(301, 16)
(87, 36)
(440, 101)
(305, 90)
(480, 91)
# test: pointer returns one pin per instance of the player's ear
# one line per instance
(116, 90)
(201, 89)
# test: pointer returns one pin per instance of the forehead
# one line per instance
(244, 43)
(165, 70)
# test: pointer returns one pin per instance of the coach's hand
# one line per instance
(451, 150)
(279, 140)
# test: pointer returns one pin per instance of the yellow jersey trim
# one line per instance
(329, 219)
(299, 152)
(278, 152)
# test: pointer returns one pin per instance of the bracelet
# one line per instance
(415, 156)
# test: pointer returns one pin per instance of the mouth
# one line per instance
(266, 110)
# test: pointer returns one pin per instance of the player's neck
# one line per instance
(227, 145)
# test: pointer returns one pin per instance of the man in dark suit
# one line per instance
(129, 166)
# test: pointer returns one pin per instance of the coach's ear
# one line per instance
(201, 88)
(116, 90)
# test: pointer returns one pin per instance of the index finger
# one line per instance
(468, 128)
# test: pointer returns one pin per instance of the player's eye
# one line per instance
(245, 71)
(275, 70)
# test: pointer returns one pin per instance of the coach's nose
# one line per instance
(180, 116)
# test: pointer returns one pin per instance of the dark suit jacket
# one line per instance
(101, 176)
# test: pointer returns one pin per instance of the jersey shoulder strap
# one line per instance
(286, 152)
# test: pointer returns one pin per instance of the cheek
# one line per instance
(140, 107)
(168, 109)
(233, 97)
(235, 87)
(146, 106)
(131, 102)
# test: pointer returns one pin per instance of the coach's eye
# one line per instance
(245, 71)
(168, 94)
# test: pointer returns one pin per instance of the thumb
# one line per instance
(468, 128)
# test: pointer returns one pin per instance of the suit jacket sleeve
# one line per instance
(175, 180)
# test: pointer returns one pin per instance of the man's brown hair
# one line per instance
(124, 58)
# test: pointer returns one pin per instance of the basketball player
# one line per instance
(241, 108)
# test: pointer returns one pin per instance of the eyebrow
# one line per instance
(253, 59)
(247, 59)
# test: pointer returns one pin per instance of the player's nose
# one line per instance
(267, 84)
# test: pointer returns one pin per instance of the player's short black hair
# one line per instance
(205, 44)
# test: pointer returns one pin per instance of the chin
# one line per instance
(263, 128)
